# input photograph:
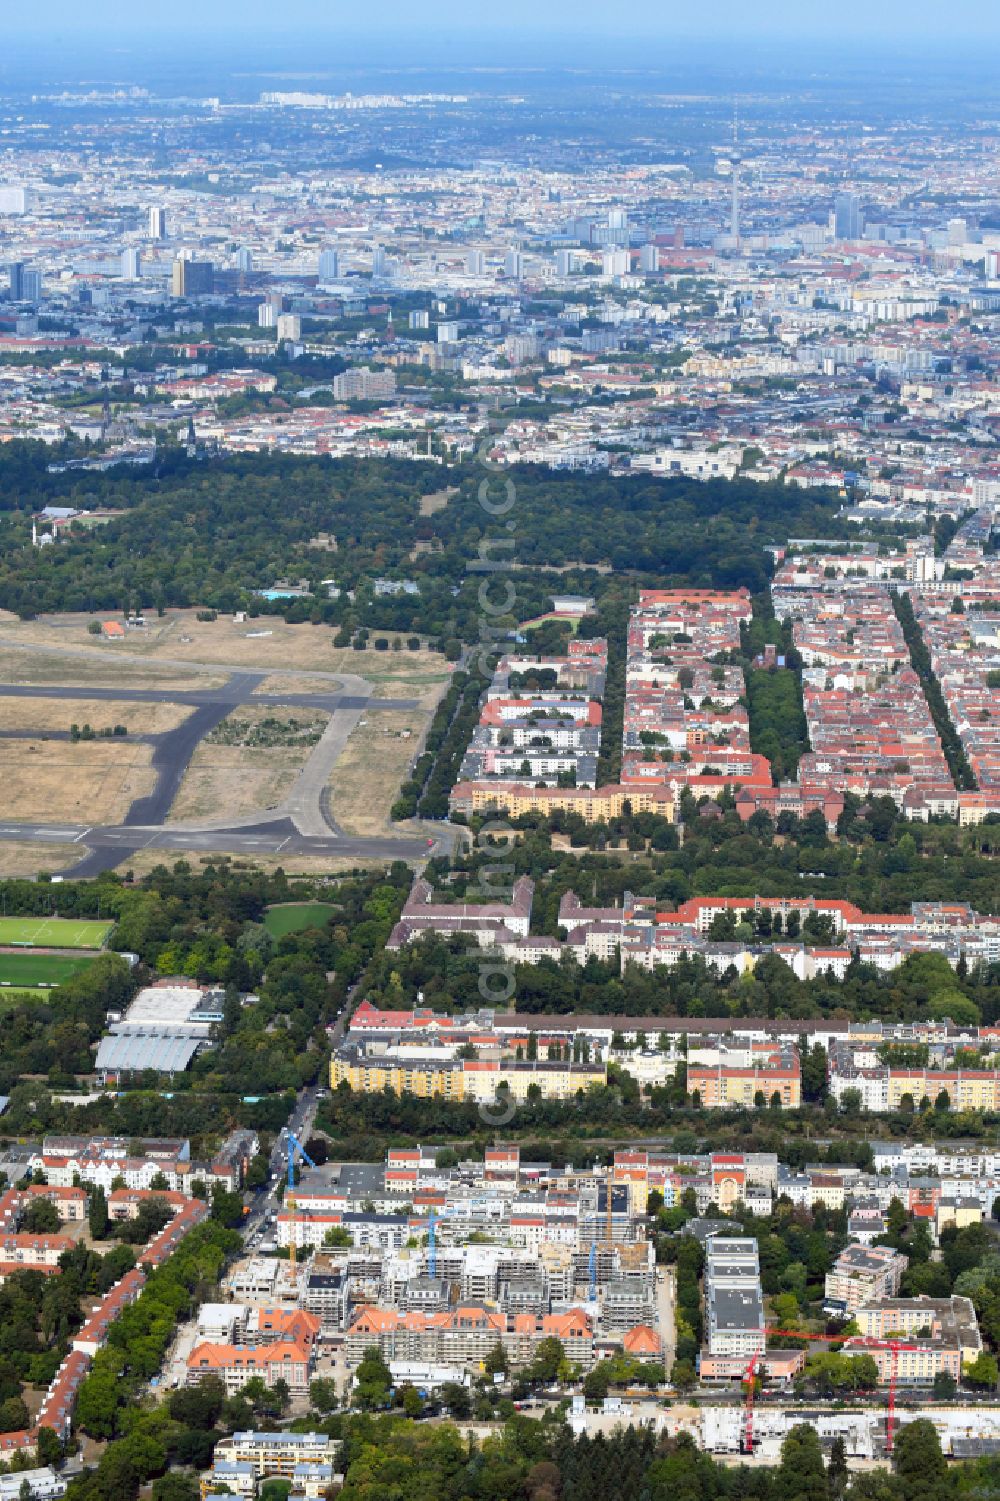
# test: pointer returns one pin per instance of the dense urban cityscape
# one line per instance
(500, 750)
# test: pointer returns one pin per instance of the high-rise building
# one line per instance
(157, 223)
(289, 326)
(419, 318)
(266, 316)
(329, 265)
(131, 266)
(521, 348)
(848, 219)
(191, 278)
(565, 262)
(616, 262)
(380, 262)
(958, 232)
(244, 259)
(15, 273)
(363, 384)
(31, 286)
(649, 259)
(513, 265)
(475, 263)
(448, 333)
(617, 232)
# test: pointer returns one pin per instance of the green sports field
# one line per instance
(295, 916)
(30, 970)
(54, 932)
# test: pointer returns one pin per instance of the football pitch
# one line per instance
(33, 970)
(54, 932)
(294, 917)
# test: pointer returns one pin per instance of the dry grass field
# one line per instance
(94, 781)
(267, 645)
(266, 642)
(429, 504)
(34, 858)
(396, 674)
(60, 713)
(225, 781)
(296, 682)
(375, 761)
(392, 674)
(249, 762)
(73, 668)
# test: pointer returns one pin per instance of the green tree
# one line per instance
(982, 1372)
(14, 1415)
(97, 1213)
(41, 1217)
(549, 1360)
(412, 1402)
(50, 1450)
(175, 1487)
(801, 1475)
(836, 1470)
(373, 1381)
(97, 1403)
(918, 1462)
(323, 1394)
(198, 1406)
(456, 1399)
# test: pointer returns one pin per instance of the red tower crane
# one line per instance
(749, 1376)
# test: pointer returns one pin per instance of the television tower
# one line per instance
(734, 217)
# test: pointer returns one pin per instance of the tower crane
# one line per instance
(748, 1378)
(294, 1146)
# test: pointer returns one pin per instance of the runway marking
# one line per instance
(281, 846)
(83, 835)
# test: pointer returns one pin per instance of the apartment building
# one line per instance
(734, 1304)
(953, 1318)
(463, 1336)
(374, 1067)
(915, 1363)
(277, 1454)
(773, 1080)
(863, 1274)
(40, 1253)
(235, 1365)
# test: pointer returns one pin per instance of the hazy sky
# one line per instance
(849, 22)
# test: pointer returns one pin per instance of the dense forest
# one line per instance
(208, 532)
